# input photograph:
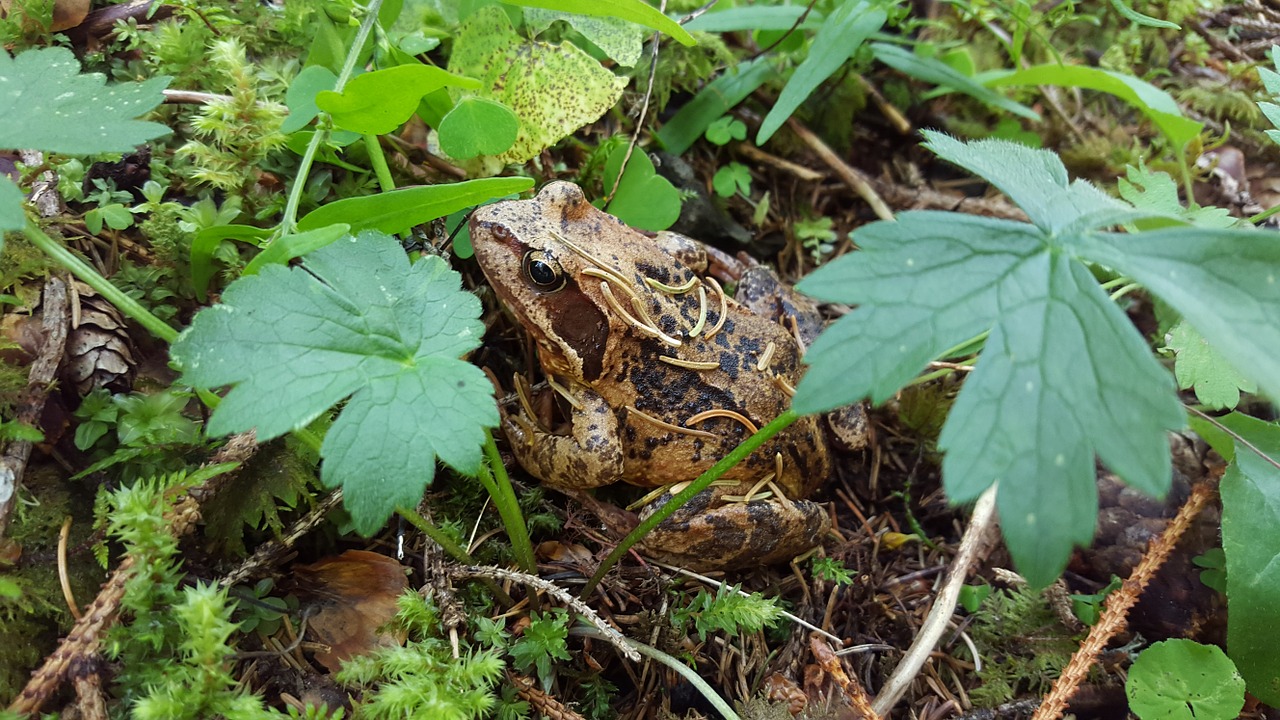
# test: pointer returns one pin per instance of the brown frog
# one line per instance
(664, 375)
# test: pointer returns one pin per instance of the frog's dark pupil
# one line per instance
(541, 273)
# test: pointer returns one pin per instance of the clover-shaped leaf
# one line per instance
(1184, 680)
(476, 126)
(644, 198)
(355, 322)
(1064, 375)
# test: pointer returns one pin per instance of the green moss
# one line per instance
(1023, 646)
(31, 623)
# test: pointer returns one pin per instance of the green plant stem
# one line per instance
(288, 223)
(704, 481)
(685, 671)
(1125, 290)
(307, 437)
(1262, 216)
(922, 379)
(379, 162)
(125, 304)
(455, 551)
(493, 476)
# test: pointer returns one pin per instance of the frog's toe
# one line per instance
(738, 534)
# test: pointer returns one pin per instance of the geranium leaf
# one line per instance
(51, 106)
(1063, 376)
(355, 322)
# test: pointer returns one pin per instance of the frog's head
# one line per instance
(526, 249)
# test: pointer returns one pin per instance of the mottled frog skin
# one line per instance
(664, 374)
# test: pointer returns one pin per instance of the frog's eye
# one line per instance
(543, 271)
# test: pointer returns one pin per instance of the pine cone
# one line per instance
(99, 352)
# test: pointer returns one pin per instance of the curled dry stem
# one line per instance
(606, 630)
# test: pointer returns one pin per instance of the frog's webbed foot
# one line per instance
(712, 533)
(588, 457)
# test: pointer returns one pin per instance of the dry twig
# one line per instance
(80, 646)
(606, 630)
(851, 176)
(55, 322)
(830, 664)
(972, 546)
(1119, 603)
(544, 704)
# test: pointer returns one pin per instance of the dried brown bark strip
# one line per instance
(56, 320)
(80, 646)
(541, 702)
(830, 664)
(1120, 602)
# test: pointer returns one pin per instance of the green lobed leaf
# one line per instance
(1223, 282)
(1271, 112)
(1155, 191)
(1250, 493)
(476, 126)
(1270, 78)
(1063, 376)
(1153, 102)
(636, 11)
(835, 42)
(355, 322)
(713, 101)
(1184, 680)
(12, 215)
(51, 106)
(380, 101)
(937, 72)
(403, 208)
(552, 89)
(1202, 368)
(1037, 182)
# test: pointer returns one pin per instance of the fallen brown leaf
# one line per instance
(356, 593)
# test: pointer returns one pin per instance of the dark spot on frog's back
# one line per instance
(653, 271)
(747, 345)
(729, 365)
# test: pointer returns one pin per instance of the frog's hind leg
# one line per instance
(588, 457)
(712, 533)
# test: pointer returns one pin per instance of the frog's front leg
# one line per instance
(588, 457)
(712, 533)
